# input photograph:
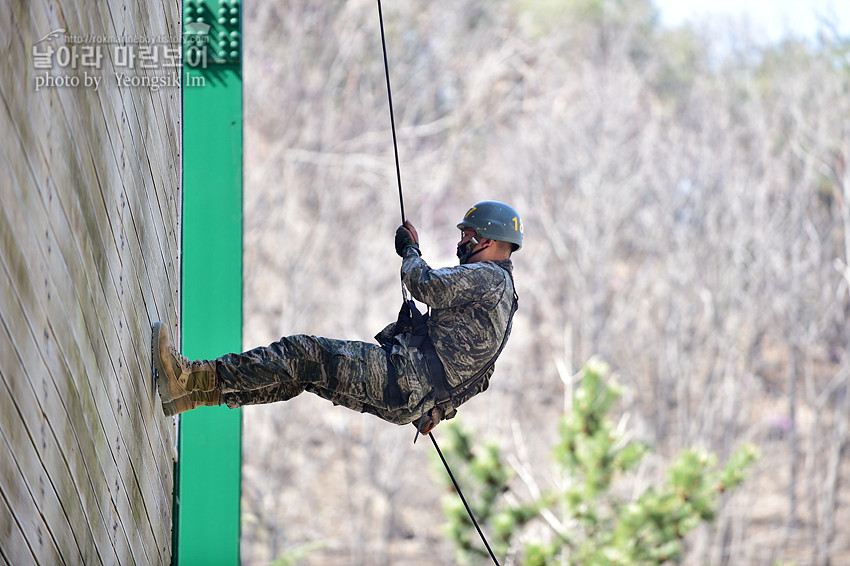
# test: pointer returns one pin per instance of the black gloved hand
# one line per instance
(428, 421)
(404, 240)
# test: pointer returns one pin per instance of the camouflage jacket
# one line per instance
(470, 307)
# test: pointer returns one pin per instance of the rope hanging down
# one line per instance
(403, 219)
(462, 498)
(392, 116)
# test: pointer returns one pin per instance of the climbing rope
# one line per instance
(462, 498)
(392, 116)
(403, 219)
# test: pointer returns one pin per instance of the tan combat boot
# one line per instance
(177, 376)
(191, 401)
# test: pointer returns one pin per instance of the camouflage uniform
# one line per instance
(470, 310)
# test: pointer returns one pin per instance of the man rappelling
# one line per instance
(422, 368)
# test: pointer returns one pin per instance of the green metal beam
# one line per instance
(208, 478)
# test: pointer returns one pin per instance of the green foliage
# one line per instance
(587, 522)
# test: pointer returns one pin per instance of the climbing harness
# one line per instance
(410, 311)
(446, 398)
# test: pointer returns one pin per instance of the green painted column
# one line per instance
(208, 475)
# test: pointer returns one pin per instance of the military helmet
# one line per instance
(494, 221)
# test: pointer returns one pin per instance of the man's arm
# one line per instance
(446, 287)
(452, 286)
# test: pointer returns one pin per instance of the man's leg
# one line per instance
(350, 373)
(270, 394)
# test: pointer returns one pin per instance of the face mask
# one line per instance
(464, 250)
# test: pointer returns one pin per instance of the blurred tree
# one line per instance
(589, 522)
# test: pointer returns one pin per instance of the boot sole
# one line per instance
(159, 373)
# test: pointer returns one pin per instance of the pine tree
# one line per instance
(587, 522)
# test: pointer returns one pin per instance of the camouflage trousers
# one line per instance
(348, 373)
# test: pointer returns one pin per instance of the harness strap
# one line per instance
(447, 395)
(436, 371)
(392, 393)
(411, 321)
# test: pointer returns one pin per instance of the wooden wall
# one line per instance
(89, 244)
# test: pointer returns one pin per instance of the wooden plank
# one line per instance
(102, 310)
(132, 344)
(156, 258)
(92, 441)
(2, 557)
(132, 258)
(25, 474)
(156, 275)
(31, 406)
(62, 319)
(90, 335)
(99, 212)
(18, 389)
(134, 395)
(15, 549)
